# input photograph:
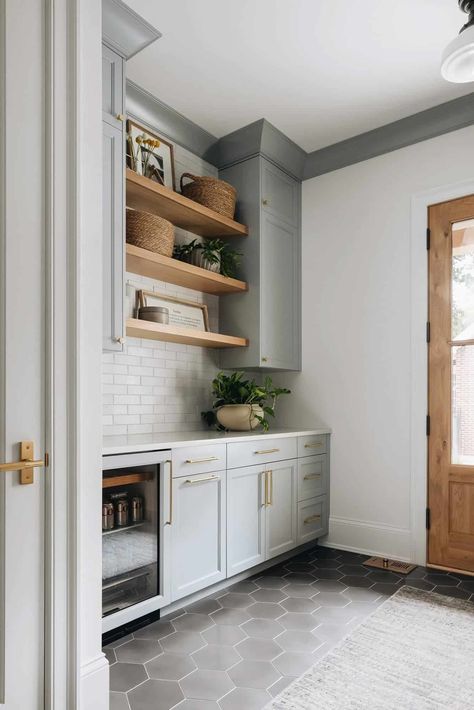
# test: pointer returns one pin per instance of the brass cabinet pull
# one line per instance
(119, 339)
(26, 463)
(312, 476)
(170, 521)
(211, 458)
(311, 519)
(265, 473)
(203, 480)
(314, 446)
(265, 202)
(120, 117)
(267, 451)
(270, 502)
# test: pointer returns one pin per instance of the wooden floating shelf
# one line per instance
(163, 268)
(125, 480)
(149, 196)
(137, 328)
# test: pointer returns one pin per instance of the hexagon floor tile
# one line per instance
(237, 648)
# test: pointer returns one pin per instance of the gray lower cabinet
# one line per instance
(269, 314)
(246, 520)
(113, 245)
(280, 511)
(198, 533)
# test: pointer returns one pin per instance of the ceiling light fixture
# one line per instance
(458, 58)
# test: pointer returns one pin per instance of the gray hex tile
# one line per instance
(224, 635)
(262, 628)
(170, 666)
(466, 584)
(326, 564)
(244, 587)
(193, 622)
(329, 585)
(191, 704)
(301, 622)
(299, 591)
(236, 600)
(206, 685)
(230, 617)
(271, 582)
(253, 649)
(280, 685)
(354, 581)
(300, 566)
(157, 630)
(385, 589)
(339, 615)
(327, 574)
(441, 579)
(354, 570)
(333, 632)
(118, 701)
(203, 606)
(216, 658)
(245, 699)
(293, 664)
(182, 642)
(110, 655)
(331, 599)
(120, 641)
(384, 576)
(138, 651)
(452, 592)
(420, 584)
(359, 594)
(268, 595)
(299, 641)
(254, 674)
(300, 578)
(265, 610)
(124, 676)
(156, 694)
(300, 605)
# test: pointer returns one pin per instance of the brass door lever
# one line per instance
(26, 463)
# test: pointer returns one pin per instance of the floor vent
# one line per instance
(390, 565)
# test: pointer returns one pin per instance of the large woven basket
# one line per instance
(210, 192)
(151, 232)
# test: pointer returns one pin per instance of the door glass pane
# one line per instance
(462, 405)
(462, 299)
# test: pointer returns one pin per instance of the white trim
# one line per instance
(419, 360)
(364, 534)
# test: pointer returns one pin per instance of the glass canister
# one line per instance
(107, 516)
(121, 512)
(137, 509)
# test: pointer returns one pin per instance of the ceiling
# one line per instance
(319, 70)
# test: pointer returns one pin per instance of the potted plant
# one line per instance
(213, 255)
(242, 405)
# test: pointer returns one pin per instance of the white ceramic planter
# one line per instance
(239, 417)
(198, 260)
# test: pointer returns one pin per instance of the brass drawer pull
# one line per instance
(314, 446)
(311, 519)
(267, 451)
(211, 458)
(268, 488)
(312, 476)
(202, 480)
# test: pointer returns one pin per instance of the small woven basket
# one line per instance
(151, 232)
(210, 192)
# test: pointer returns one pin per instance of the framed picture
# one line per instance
(187, 314)
(150, 155)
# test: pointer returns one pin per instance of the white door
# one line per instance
(246, 497)
(22, 355)
(198, 532)
(281, 509)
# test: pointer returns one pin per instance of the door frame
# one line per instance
(76, 671)
(419, 358)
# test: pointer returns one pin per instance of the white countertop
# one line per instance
(135, 443)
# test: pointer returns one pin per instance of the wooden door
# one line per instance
(281, 508)
(451, 385)
(198, 533)
(245, 518)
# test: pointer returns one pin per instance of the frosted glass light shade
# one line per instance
(458, 58)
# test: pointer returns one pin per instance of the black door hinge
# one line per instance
(428, 518)
(428, 332)
(428, 425)
(428, 238)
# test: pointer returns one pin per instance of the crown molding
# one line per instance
(124, 31)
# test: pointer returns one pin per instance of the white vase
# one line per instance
(239, 417)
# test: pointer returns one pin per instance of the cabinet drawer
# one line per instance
(312, 519)
(312, 476)
(311, 445)
(262, 451)
(198, 459)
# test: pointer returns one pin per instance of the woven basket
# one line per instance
(210, 192)
(151, 232)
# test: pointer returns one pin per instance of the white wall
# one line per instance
(356, 332)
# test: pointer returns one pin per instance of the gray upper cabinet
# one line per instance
(269, 314)
(113, 201)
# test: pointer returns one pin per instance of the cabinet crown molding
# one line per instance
(124, 31)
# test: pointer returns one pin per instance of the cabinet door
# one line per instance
(113, 237)
(281, 509)
(245, 518)
(280, 295)
(198, 533)
(280, 194)
(112, 87)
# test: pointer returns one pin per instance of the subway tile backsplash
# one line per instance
(154, 386)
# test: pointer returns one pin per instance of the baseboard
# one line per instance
(94, 684)
(368, 538)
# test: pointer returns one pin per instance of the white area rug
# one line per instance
(416, 652)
